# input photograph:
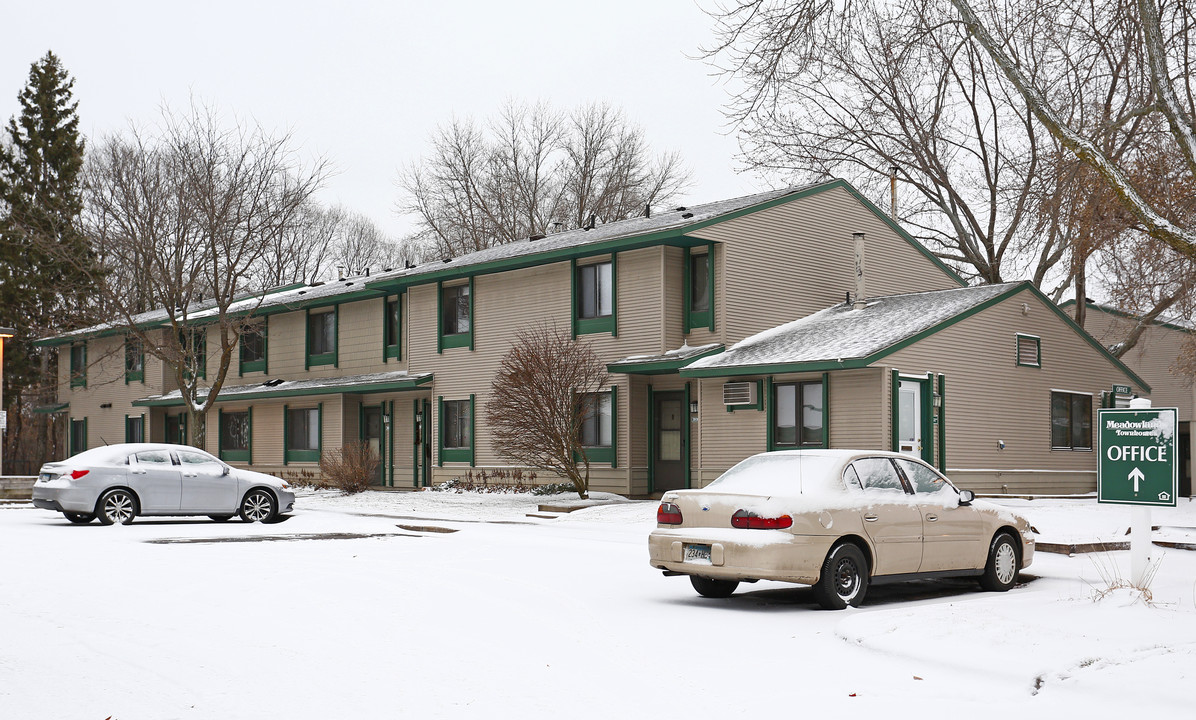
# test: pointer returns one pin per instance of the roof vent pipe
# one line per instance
(893, 192)
(858, 242)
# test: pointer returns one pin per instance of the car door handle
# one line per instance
(138, 472)
(871, 518)
(931, 518)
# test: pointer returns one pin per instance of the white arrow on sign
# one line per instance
(1136, 475)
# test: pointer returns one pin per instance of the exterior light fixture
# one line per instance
(693, 407)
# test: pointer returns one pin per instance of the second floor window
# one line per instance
(321, 338)
(253, 349)
(134, 360)
(595, 291)
(194, 344)
(79, 365)
(699, 290)
(391, 329)
(455, 306)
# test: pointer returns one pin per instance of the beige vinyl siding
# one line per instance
(672, 301)
(989, 398)
(858, 403)
(1152, 358)
(106, 385)
(727, 437)
(794, 259)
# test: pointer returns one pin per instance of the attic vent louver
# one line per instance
(739, 393)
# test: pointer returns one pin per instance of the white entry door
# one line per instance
(909, 418)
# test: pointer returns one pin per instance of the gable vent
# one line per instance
(1029, 350)
(739, 393)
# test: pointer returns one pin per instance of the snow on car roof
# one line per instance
(118, 452)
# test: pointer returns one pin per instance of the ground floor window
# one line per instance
(235, 436)
(135, 429)
(798, 418)
(456, 430)
(302, 434)
(78, 436)
(176, 429)
(1071, 421)
(597, 433)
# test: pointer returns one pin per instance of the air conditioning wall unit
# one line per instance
(739, 393)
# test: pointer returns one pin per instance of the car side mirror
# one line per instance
(227, 470)
(966, 497)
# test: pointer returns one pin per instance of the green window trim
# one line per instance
(1020, 338)
(134, 375)
(325, 358)
(691, 318)
(455, 340)
(392, 347)
(601, 324)
(70, 438)
(246, 455)
(608, 453)
(455, 454)
(303, 455)
(248, 366)
(79, 370)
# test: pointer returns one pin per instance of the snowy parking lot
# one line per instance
(364, 607)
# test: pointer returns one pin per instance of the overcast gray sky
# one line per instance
(364, 83)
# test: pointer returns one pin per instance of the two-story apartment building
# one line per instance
(725, 331)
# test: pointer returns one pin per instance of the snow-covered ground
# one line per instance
(356, 608)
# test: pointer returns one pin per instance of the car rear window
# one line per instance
(775, 474)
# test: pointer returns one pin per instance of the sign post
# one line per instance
(1138, 466)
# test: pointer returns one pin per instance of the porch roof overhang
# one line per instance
(397, 381)
(51, 409)
(665, 363)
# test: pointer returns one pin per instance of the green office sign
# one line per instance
(1138, 463)
(1122, 389)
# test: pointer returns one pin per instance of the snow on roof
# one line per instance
(841, 333)
(285, 388)
(681, 353)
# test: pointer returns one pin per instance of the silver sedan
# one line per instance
(117, 483)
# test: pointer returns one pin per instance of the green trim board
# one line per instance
(415, 382)
(52, 409)
(894, 410)
(942, 424)
(686, 439)
(659, 367)
(862, 362)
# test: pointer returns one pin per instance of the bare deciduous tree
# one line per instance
(533, 170)
(539, 400)
(182, 218)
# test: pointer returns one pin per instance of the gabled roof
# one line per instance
(1172, 323)
(278, 388)
(841, 337)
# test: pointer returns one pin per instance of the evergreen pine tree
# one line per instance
(42, 251)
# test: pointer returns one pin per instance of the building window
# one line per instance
(392, 330)
(235, 433)
(78, 436)
(594, 297)
(798, 418)
(253, 349)
(456, 316)
(321, 338)
(194, 344)
(176, 429)
(134, 428)
(1029, 350)
(456, 430)
(1071, 421)
(699, 289)
(134, 360)
(597, 434)
(79, 365)
(302, 434)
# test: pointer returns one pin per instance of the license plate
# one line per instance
(698, 554)
(44, 477)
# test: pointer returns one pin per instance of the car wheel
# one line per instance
(220, 518)
(258, 506)
(711, 588)
(117, 506)
(80, 518)
(844, 578)
(1000, 573)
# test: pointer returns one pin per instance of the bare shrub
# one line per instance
(351, 469)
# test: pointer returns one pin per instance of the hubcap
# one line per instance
(847, 578)
(1005, 563)
(119, 507)
(257, 507)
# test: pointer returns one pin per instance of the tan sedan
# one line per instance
(838, 520)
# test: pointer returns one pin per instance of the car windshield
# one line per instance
(778, 474)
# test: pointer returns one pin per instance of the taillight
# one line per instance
(752, 521)
(76, 474)
(668, 514)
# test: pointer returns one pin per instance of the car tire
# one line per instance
(258, 506)
(1000, 573)
(117, 506)
(844, 578)
(220, 518)
(80, 518)
(711, 588)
